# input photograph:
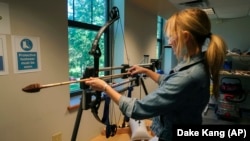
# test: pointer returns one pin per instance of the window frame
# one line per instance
(160, 39)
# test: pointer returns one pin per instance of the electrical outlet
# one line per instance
(57, 136)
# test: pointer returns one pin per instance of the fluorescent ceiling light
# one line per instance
(209, 11)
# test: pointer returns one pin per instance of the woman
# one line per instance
(182, 94)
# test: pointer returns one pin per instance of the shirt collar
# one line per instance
(185, 63)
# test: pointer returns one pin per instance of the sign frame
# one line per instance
(26, 54)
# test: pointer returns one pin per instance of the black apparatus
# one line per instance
(91, 99)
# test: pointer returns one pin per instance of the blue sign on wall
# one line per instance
(27, 54)
(27, 60)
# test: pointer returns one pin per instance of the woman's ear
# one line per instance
(186, 36)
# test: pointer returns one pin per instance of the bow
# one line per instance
(94, 105)
(86, 99)
(96, 52)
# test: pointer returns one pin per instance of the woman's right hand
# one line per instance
(136, 69)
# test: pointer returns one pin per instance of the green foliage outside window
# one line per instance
(87, 11)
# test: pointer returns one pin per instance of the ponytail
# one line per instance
(215, 56)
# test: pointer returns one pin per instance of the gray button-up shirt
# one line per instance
(180, 98)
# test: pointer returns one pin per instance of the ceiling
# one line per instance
(224, 9)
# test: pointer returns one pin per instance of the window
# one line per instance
(159, 36)
(85, 18)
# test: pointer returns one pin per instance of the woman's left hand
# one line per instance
(96, 84)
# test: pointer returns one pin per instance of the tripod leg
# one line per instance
(82, 107)
(77, 122)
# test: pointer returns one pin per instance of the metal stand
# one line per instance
(77, 123)
(86, 96)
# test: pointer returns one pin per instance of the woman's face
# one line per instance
(172, 42)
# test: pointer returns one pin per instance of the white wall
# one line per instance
(35, 117)
(234, 31)
(140, 31)
(140, 37)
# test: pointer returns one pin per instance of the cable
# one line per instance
(125, 46)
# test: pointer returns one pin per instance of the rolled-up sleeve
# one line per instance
(126, 105)
(161, 78)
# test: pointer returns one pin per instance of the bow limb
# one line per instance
(114, 14)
